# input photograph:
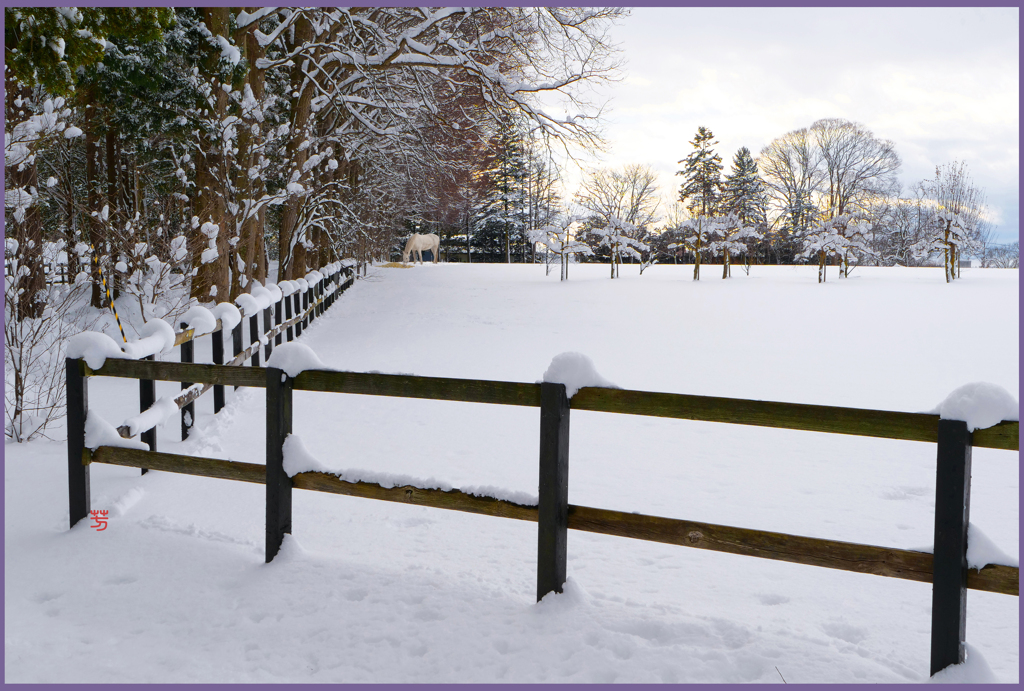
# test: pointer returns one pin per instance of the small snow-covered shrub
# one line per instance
(34, 349)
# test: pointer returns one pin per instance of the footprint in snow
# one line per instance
(772, 599)
(429, 615)
(844, 632)
(356, 594)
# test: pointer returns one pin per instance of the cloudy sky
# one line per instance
(942, 84)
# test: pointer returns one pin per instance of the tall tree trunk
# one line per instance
(211, 280)
(115, 212)
(95, 231)
(248, 256)
(291, 252)
(947, 251)
(696, 256)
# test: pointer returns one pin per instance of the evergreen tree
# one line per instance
(503, 216)
(46, 50)
(702, 175)
(744, 196)
(742, 192)
(133, 104)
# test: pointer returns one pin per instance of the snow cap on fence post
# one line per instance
(228, 314)
(157, 336)
(980, 405)
(200, 319)
(264, 298)
(576, 371)
(248, 304)
(163, 330)
(275, 292)
(94, 348)
(295, 358)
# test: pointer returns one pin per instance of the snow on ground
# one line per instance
(175, 589)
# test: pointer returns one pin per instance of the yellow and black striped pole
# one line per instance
(110, 299)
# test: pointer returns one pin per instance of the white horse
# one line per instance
(417, 243)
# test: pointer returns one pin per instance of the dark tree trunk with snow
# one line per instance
(250, 250)
(291, 251)
(94, 232)
(211, 278)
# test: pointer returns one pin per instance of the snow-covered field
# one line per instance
(175, 590)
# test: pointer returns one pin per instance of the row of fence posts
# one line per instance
(293, 305)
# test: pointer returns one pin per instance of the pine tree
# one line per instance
(744, 195)
(503, 217)
(46, 49)
(702, 175)
(742, 192)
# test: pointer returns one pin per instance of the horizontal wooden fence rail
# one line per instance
(833, 554)
(795, 416)
(946, 569)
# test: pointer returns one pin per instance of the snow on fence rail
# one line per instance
(947, 569)
(307, 298)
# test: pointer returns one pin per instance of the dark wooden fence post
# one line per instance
(949, 570)
(77, 391)
(254, 337)
(269, 348)
(218, 359)
(288, 316)
(305, 306)
(147, 397)
(188, 412)
(236, 342)
(277, 319)
(298, 311)
(279, 485)
(553, 495)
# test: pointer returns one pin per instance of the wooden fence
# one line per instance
(946, 569)
(282, 320)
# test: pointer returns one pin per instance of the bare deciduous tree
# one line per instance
(791, 169)
(626, 202)
(856, 165)
(959, 214)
